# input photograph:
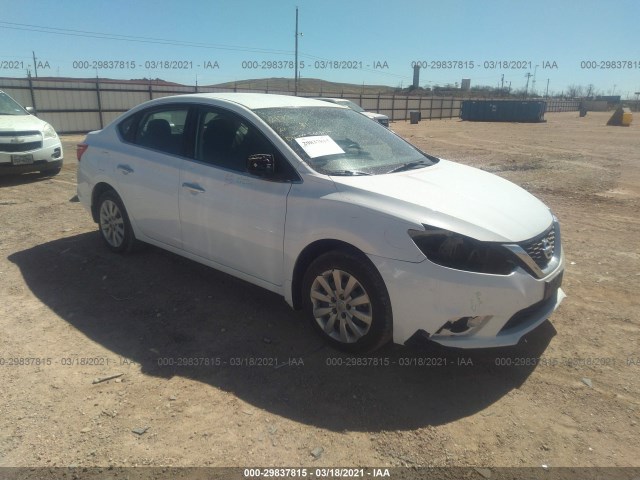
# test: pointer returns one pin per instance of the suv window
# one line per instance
(8, 106)
(162, 130)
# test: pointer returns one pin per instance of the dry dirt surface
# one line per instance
(216, 372)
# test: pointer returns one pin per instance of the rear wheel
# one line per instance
(347, 302)
(114, 224)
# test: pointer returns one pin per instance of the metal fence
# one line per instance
(554, 105)
(79, 106)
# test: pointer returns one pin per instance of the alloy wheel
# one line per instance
(341, 306)
(112, 223)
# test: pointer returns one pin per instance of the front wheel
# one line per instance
(347, 302)
(114, 224)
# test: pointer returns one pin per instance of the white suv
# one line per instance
(27, 144)
(374, 238)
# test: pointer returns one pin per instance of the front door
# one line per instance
(228, 215)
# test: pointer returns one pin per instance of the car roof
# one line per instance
(254, 101)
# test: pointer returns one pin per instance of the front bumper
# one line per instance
(46, 158)
(496, 310)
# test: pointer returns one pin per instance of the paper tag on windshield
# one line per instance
(319, 146)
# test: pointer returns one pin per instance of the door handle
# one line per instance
(125, 169)
(193, 187)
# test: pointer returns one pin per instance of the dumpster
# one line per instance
(503, 110)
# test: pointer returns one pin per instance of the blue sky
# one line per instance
(572, 42)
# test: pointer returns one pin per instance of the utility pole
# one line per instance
(546, 95)
(526, 89)
(533, 84)
(35, 65)
(295, 85)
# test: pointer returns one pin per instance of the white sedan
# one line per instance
(374, 238)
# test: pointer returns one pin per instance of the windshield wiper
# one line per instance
(409, 166)
(347, 172)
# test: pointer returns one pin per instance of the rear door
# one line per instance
(147, 170)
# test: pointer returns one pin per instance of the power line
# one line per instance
(132, 38)
(165, 41)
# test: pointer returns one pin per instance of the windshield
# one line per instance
(335, 141)
(8, 106)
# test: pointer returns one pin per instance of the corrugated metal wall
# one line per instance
(84, 105)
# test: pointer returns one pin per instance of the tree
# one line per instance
(519, 92)
(590, 91)
(575, 91)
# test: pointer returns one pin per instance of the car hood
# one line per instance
(16, 123)
(452, 196)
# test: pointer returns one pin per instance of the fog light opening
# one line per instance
(57, 153)
(462, 326)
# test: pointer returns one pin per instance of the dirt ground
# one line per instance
(222, 373)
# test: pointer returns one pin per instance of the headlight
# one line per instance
(48, 131)
(453, 250)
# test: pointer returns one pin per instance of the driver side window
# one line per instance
(226, 140)
(218, 137)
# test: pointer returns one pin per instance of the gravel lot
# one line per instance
(72, 313)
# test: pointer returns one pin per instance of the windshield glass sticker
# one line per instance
(319, 146)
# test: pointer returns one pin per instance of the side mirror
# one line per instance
(261, 164)
(30, 110)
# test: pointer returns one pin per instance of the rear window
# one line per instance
(161, 130)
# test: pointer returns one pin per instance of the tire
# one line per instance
(347, 302)
(113, 223)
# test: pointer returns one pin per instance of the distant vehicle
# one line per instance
(378, 117)
(27, 144)
(373, 238)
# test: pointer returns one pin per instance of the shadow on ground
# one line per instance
(154, 308)
(15, 179)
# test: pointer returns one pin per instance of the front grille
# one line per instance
(20, 147)
(536, 248)
(19, 133)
